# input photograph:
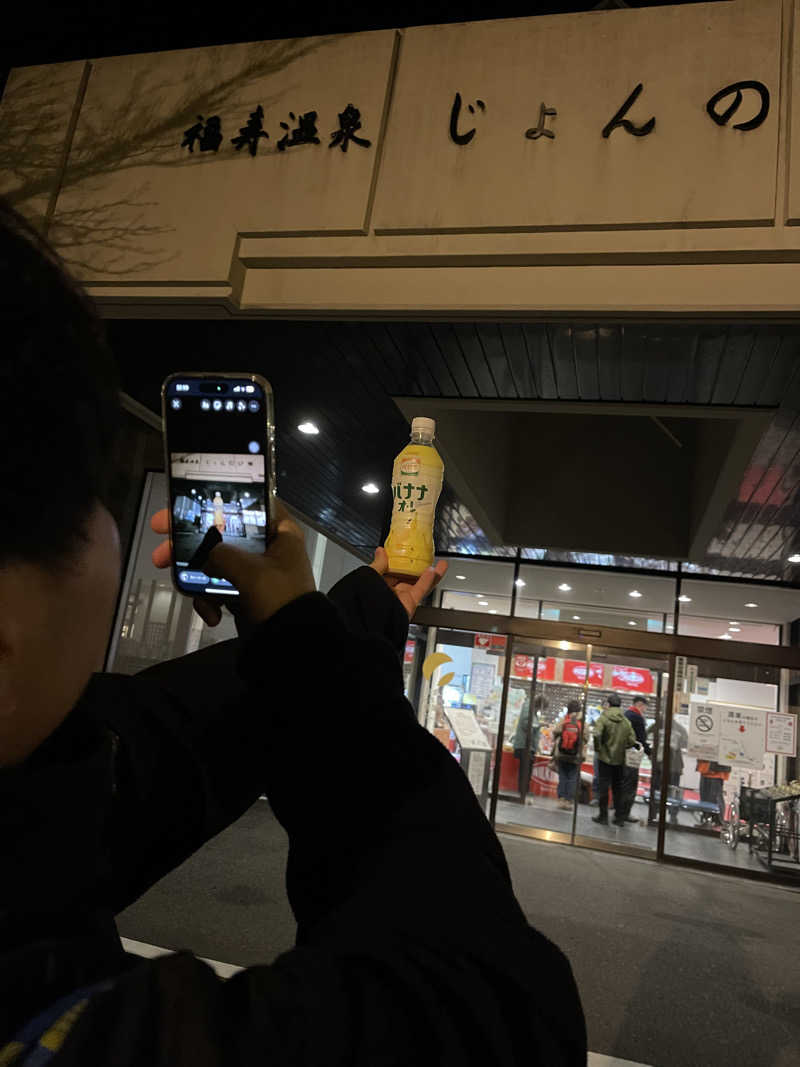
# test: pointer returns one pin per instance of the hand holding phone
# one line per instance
(265, 582)
(219, 458)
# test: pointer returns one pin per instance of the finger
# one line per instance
(225, 561)
(159, 523)
(423, 585)
(381, 561)
(440, 570)
(162, 555)
(209, 613)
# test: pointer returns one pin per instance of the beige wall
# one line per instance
(693, 217)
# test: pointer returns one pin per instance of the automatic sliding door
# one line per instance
(546, 689)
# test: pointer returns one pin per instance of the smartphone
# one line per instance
(219, 455)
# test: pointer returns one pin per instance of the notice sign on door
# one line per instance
(781, 733)
(741, 739)
(704, 723)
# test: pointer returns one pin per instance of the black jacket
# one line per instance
(637, 722)
(411, 947)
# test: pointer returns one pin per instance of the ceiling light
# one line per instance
(308, 427)
(564, 646)
(733, 624)
(726, 637)
(370, 487)
(670, 626)
(484, 603)
(576, 618)
(634, 593)
(684, 599)
(461, 577)
(565, 588)
(735, 629)
(631, 622)
(492, 612)
(519, 582)
(751, 605)
(794, 559)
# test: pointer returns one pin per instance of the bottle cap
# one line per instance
(427, 427)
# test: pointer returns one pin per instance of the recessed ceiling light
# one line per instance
(461, 577)
(631, 622)
(576, 618)
(492, 612)
(733, 623)
(565, 588)
(484, 603)
(751, 605)
(308, 427)
(735, 629)
(726, 637)
(519, 582)
(370, 487)
(564, 646)
(684, 599)
(634, 593)
(794, 559)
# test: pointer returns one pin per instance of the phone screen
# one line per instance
(218, 441)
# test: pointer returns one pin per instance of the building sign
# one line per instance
(632, 679)
(575, 672)
(781, 733)
(492, 643)
(704, 727)
(510, 137)
(742, 736)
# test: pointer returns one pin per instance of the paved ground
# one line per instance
(676, 968)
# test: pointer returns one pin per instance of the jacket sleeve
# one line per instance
(411, 946)
(185, 767)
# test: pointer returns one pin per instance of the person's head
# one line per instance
(540, 703)
(639, 704)
(59, 545)
(573, 709)
(614, 701)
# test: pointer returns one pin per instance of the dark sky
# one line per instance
(47, 31)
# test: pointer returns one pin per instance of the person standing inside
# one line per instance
(525, 741)
(613, 736)
(630, 773)
(568, 751)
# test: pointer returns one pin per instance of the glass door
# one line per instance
(542, 774)
(626, 689)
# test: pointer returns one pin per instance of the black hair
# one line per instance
(639, 700)
(573, 707)
(60, 403)
(614, 701)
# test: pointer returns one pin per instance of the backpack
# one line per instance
(570, 739)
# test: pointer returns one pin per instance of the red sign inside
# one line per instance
(490, 643)
(522, 667)
(632, 679)
(575, 672)
(408, 656)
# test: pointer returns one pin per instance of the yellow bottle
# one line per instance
(416, 484)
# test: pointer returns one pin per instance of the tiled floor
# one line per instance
(688, 842)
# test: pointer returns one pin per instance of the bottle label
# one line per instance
(415, 490)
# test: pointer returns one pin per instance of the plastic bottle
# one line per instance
(416, 484)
